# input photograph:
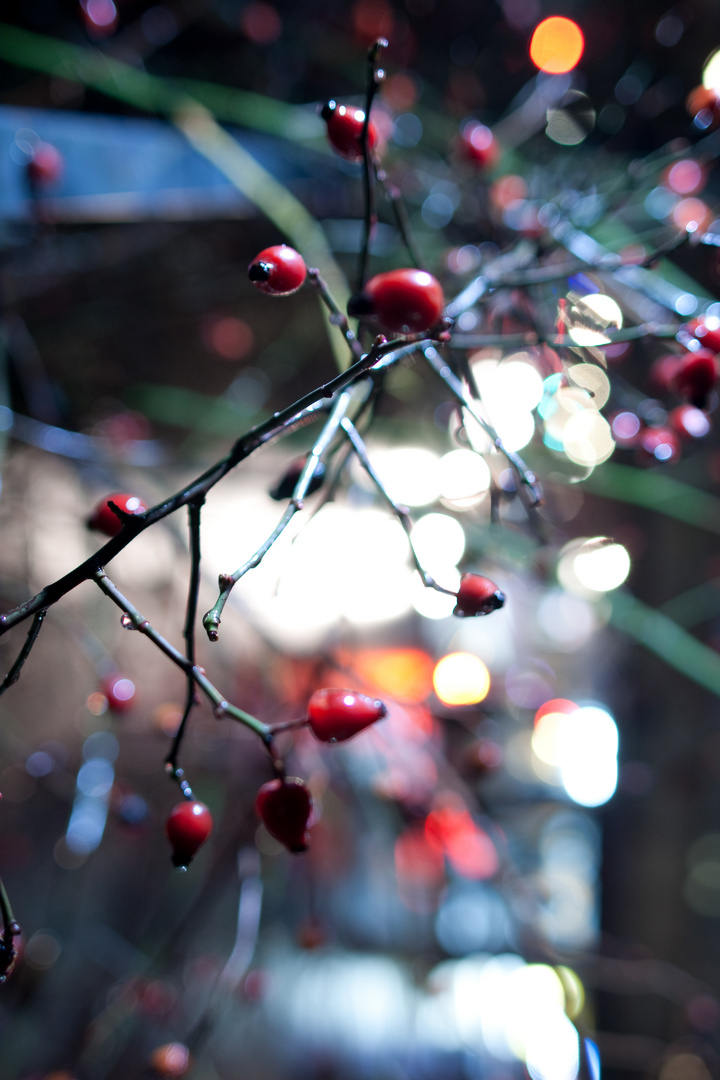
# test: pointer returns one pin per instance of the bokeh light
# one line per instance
(461, 678)
(556, 45)
(593, 566)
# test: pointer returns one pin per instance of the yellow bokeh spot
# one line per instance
(711, 72)
(461, 679)
(557, 45)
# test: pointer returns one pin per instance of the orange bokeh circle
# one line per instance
(557, 45)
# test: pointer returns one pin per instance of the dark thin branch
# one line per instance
(526, 477)
(194, 510)
(374, 77)
(401, 512)
(402, 220)
(14, 673)
(221, 706)
(277, 424)
(337, 317)
(344, 401)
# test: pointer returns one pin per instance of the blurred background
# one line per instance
(518, 871)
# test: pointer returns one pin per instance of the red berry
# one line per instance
(478, 595)
(707, 330)
(284, 807)
(695, 376)
(278, 270)
(689, 422)
(335, 715)
(100, 17)
(120, 693)
(172, 1059)
(660, 443)
(478, 144)
(344, 130)
(403, 301)
(46, 167)
(105, 521)
(188, 826)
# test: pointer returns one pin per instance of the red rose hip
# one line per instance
(46, 167)
(105, 521)
(188, 826)
(120, 693)
(336, 715)
(478, 145)
(706, 329)
(278, 271)
(404, 301)
(477, 595)
(284, 807)
(695, 376)
(344, 130)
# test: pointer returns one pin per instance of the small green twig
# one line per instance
(337, 317)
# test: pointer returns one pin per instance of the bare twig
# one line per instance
(14, 673)
(347, 399)
(402, 221)
(194, 510)
(374, 77)
(402, 513)
(337, 317)
(221, 706)
(454, 385)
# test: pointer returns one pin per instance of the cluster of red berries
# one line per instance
(406, 301)
(284, 804)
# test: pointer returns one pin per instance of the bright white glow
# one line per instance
(603, 567)
(597, 308)
(509, 391)
(432, 604)
(519, 382)
(439, 541)
(461, 679)
(589, 567)
(547, 738)
(588, 765)
(605, 308)
(411, 475)
(464, 476)
(711, 72)
(593, 379)
(552, 1050)
(516, 429)
(587, 438)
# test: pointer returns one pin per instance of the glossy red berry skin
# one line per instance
(284, 807)
(105, 521)
(402, 301)
(707, 331)
(477, 595)
(120, 693)
(278, 271)
(695, 376)
(46, 167)
(172, 1059)
(188, 826)
(335, 715)
(478, 145)
(344, 130)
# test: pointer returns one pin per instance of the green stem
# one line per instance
(656, 491)
(667, 640)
